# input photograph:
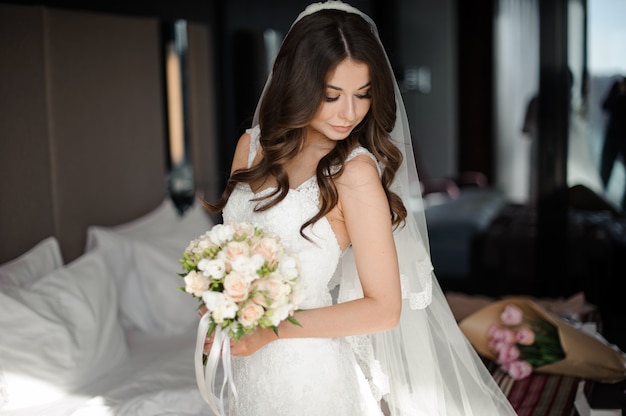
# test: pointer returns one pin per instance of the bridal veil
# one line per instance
(424, 366)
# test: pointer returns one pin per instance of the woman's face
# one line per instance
(347, 100)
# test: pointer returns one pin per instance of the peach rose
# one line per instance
(250, 314)
(268, 248)
(244, 229)
(236, 286)
(235, 249)
(273, 288)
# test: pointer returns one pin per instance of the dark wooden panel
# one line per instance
(25, 187)
(106, 117)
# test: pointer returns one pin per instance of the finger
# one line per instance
(202, 310)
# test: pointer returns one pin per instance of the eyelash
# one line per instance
(365, 96)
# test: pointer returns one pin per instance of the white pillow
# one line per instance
(40, 260)
(143, 258)
(60, 333)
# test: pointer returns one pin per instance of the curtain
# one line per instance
(516, 45)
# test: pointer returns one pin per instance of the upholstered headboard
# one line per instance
(82, 131)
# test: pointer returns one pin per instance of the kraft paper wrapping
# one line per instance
(585, 355)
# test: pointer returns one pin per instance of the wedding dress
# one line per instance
(424, 366)
(319, 376)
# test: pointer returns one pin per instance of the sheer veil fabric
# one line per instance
(424, 366)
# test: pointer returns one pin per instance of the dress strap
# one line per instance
(255, 136)
(357, 151)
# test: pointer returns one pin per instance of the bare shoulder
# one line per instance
(240, 159)
(359, 171)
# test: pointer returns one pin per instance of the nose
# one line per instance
(348, 110)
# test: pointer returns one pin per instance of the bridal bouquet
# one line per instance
(521, 345)
(244, 277)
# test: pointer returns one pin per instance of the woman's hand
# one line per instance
(248, 344)
(208, 342)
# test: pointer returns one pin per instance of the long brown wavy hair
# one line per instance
(312, 49)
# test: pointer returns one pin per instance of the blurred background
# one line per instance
(504, 99)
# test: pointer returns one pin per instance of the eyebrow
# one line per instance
(332, 87)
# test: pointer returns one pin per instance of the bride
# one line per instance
(325, 167)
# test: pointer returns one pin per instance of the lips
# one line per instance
(342, 129)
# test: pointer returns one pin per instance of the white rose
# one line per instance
(220, 306)
(248, 266)
(279, 314)
(251, 314)
(212, 268)
(297, 294)
(289, 266)
(221, 233)
(196, 283)
(236, 286)
(203, 244)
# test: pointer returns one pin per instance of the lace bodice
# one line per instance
(306, 376)
(318, 257)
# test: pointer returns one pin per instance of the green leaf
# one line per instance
(212, 327)
(294, 321)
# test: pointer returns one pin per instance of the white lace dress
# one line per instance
(306, 376)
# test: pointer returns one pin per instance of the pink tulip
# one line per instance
(502, 334)
(496, 345)
(525, 336)
(493, 329)
(518, 370)
(512, 315)
(508, 353)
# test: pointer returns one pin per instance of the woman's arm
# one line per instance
(365, 212)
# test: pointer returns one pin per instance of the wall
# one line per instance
(81, 130)
(427, 38)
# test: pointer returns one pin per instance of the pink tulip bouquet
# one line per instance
(524, 337)
(521, 345)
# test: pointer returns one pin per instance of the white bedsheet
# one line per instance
(157, 379)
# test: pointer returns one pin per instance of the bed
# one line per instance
(108, 333)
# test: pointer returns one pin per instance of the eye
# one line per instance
(366, 96)
(331, 99)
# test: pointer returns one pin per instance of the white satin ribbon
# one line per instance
(205, 374)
